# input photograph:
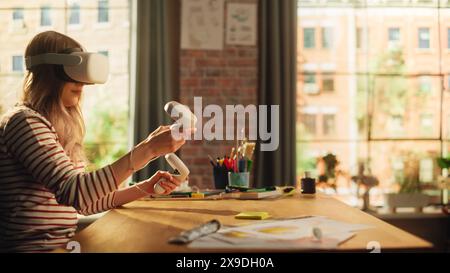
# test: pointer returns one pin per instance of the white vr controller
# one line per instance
(185, 118)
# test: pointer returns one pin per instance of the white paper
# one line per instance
(282, 234)
(202, 24)
(241, 24)
(217, 242)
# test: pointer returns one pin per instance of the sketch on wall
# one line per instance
(241, 24)
(202, 23)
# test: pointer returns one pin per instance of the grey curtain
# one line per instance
(157, 49)
(277, 86)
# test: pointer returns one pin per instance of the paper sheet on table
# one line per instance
(282, 234)
(217, 242)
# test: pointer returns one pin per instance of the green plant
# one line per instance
(106, 137)
(444, 162)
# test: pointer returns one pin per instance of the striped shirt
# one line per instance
(41, 190)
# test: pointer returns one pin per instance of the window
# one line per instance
(327, 37)
(426, 125)
(17, 63)
(309, 38)
(424, 38)
(424, 84)
(448, 82)
(396, 126)
(327, 82)
(329, 125)
(387, 108)
(310, 86)
(448, 38)
(18, 14)
(426, 170)
(394, 37)
(448, 126)
(103, 11)
(359, 38)
(105, 107)
(46, 19)
(309, 121)
(74, 16)
(18, 19)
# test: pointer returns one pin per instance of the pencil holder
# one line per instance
(220, 177)
(239, 179)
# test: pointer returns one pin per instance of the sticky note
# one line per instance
(254, 215)
(197, 195)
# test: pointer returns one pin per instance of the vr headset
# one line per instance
(74, 65)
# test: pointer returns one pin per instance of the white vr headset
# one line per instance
(74, 66)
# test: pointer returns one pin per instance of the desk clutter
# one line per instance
(230, 192)
(235, 169)
(306, 232)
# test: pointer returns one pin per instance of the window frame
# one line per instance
(74, 7)
(105, 9)
(419, 39)
(46, 9)
(14, 63)
(312, 39)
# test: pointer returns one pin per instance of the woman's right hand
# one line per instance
(166, 181)
(162, 142)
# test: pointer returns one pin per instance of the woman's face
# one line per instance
(71, 93)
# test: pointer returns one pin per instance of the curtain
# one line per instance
(157, 51)
(277, 86)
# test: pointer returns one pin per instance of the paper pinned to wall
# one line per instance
(241, 24)
(202, 24)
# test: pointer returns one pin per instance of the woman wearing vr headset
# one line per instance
(43, 183)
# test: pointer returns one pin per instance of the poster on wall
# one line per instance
(241, 24)
(202, 24)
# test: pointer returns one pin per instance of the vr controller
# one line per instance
(184, 119)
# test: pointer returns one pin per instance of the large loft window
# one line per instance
(385, 103)
(105, 107)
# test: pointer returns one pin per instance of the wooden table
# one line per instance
(145, 226)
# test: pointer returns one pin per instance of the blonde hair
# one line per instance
(42, 91)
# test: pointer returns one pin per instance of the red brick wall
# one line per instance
(222, 77)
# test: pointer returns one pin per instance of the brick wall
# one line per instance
(229, 76)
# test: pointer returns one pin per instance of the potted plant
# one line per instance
(410, 194)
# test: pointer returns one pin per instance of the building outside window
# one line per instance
(394, 37)
(46, 16)
(425, 85)
(329, 124)
(18, 14)
(74, 14)
(103, 11)
(327, 37)
(327, 82)
(309, 38)
(17, 63)
(426, 125)
(310, 85)
(105, 107)
(424, 38)
(389, 110)
(309, 121)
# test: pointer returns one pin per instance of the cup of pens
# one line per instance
(234, 170)
(240, 179)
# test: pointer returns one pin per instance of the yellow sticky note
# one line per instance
(254, 215)
(197, 195)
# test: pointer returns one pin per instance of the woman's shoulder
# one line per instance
(20, 113)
